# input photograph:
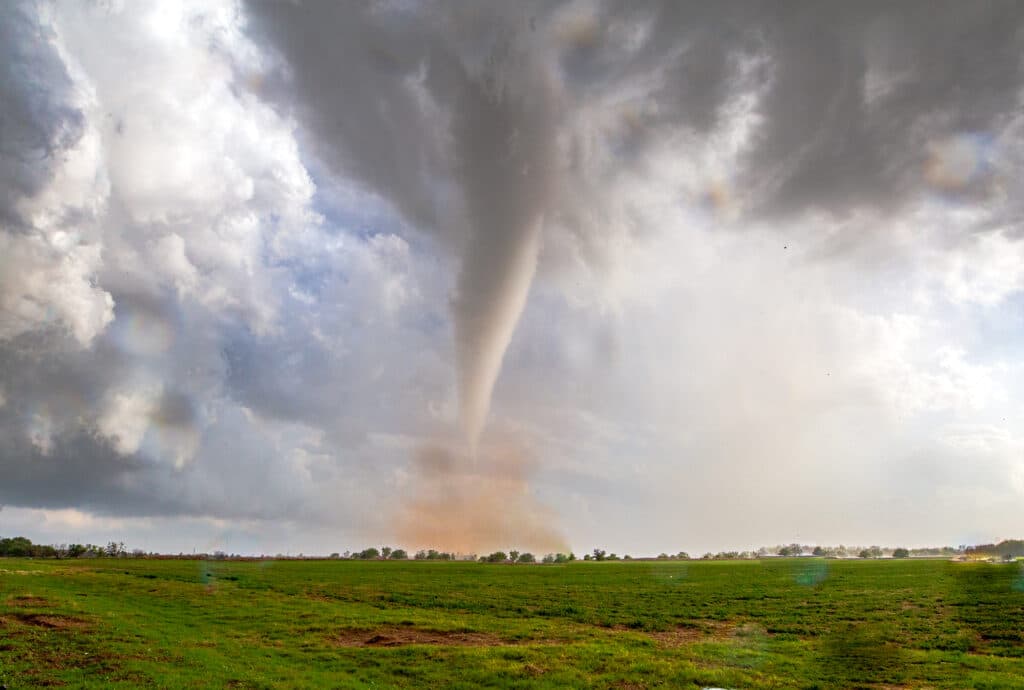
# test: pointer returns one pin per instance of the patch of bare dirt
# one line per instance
(401, 636)
(707, 631)
(29, 601)
(50, 621)
(679, 636)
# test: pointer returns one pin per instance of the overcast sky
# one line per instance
(315, 276)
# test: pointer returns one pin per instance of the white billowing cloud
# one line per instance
(203, 175)
(47, 266)
(163, 202)
(43, 284)
(987, 270)
(126, 417)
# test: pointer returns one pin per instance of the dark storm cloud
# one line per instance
(830, 142)
(36, 120)
(856, 92)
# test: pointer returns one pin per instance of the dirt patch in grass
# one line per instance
(46, 620)
(400, 636)
(707, 631)
(29, 601)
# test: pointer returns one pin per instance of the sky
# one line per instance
(309, 277)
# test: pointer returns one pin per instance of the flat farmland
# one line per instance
(779, 623)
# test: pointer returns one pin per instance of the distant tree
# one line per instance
(513, 556)
(900, 553)
(599, 554)
(662, 556)
(572, 556)
(368, 554)
(627, 557)
(18, 547)
(399, 555)
(497, 557)
(683, 556)
(548, 558)
(385, 552)
(527, 558)
(586, 557)
(818, 551)
(865, 553)
(563, 558)
(612, 557)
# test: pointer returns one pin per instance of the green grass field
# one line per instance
(802, 623)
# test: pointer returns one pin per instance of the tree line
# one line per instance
(1008, 549)
(22, 547)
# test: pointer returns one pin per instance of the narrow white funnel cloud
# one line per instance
(504, 134)
(490, 301)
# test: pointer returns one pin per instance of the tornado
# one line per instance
(505, 143)
(449, 115)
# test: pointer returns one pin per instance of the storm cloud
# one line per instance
(259, 260)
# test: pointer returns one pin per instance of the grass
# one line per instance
(801, 623)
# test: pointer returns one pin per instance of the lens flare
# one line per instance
(957, 163)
